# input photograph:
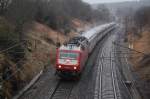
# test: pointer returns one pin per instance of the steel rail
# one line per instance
(101, 78)
(52, 95)
(113, 78)
(121, 80)
(60, 92)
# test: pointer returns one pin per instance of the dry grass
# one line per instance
(78, 23)
(143, 45)
(42, 51)
(42, 31)
(2, 57)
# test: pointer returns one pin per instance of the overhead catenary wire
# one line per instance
(20, 59)
(129, 48)
(17, 70)
(15, 45)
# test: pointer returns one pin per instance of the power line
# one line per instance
(129, 48)
(15, 45)
(18, 69)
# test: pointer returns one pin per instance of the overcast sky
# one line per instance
(105, 1)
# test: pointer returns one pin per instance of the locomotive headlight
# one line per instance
(59, 66)
(75, 68)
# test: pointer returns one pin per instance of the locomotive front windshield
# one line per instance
(70, 55)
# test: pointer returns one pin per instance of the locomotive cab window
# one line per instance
(69, 55)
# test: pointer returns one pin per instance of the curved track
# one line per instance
(101, 78)
(122, 54)
(106, 82)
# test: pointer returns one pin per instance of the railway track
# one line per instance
(126, 69)
(126, 94)
(124, 73)
(113, 78)
(106, 82)
(63, 89)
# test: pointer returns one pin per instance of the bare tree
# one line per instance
(3, 5)
(142, 17)
(19, 12)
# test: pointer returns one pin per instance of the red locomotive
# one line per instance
(71, 57)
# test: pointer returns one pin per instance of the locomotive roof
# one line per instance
(74, 43)
(70, 47)
(77, 40)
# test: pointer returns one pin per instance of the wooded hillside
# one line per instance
(23, 20)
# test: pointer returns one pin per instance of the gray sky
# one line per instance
(105, 1)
